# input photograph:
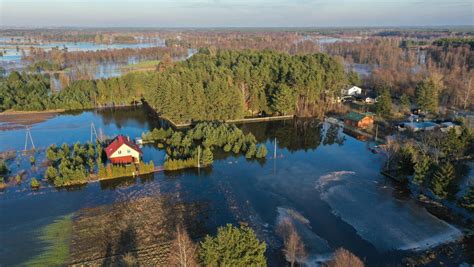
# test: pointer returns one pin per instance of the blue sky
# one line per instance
(236, 13)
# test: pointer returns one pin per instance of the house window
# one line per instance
(128, 151)
(120, 151)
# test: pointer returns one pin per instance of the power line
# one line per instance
(94, 132)
(28, 134)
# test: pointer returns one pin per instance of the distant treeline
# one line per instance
(455, 42)
(64, 58)
(225, 85)
(32, 92)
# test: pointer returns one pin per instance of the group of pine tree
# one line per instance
(208, 86)
(195, 146)
(70, 165)
(434, 162)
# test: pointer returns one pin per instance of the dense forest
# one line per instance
(231, 85)
(208, 86)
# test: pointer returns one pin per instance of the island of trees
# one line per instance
(195, 147)
(78, 164)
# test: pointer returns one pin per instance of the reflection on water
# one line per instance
(324, 180)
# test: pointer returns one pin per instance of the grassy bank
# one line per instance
(56, 239)
(143, 65)
(29, 112)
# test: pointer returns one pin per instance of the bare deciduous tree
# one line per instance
(390, 149)
(293, 245)
(344, 258)
(183, 251)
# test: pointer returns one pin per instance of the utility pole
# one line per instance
(94, 132)
(28, 134)
(199, 155)
(376, 132)
(275, 149)
(274, 156)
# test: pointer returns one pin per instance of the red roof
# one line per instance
(118, 142)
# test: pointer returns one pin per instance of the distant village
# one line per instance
(413, 120)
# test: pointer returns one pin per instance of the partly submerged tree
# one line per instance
(207, 157)
(467, 201)
(293, 245)
(183, 251)
(421, 169)
(233, 246)
(344, 258)
(441, 179)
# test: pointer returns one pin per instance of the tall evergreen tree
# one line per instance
(421, 169)
(384, 103)
(233, 247)
(207, 157)
(427, 96)
(441, 179)
(284, 100)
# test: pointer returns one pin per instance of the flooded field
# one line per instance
(323, 180)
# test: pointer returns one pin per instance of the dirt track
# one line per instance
(10, 120)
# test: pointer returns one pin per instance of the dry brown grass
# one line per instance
(138, 231)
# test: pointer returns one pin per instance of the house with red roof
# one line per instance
(123, 151)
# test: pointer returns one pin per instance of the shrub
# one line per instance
(2, 183)
(3, 167)
(51, 173)
(261, 151)
(344, 258)
(233, 247)
(35, 183)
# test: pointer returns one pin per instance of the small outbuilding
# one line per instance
(419, 126)
(359, 120)
(123, 151)
(352, 91)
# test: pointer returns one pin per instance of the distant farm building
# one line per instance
(418, 126)
(359, 120)
(123, 151)
(352, 91)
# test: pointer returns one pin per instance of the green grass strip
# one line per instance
(56, 237)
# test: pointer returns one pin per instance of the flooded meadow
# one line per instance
(322, 179)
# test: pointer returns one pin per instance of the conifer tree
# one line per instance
(441, 179)
(207, 157)
(384, 103)
(421, 169)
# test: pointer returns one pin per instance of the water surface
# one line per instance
(325, 181)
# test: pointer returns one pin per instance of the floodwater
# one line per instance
(323, 180)
(12, 54)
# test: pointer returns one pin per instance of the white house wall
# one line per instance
(125, 150)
